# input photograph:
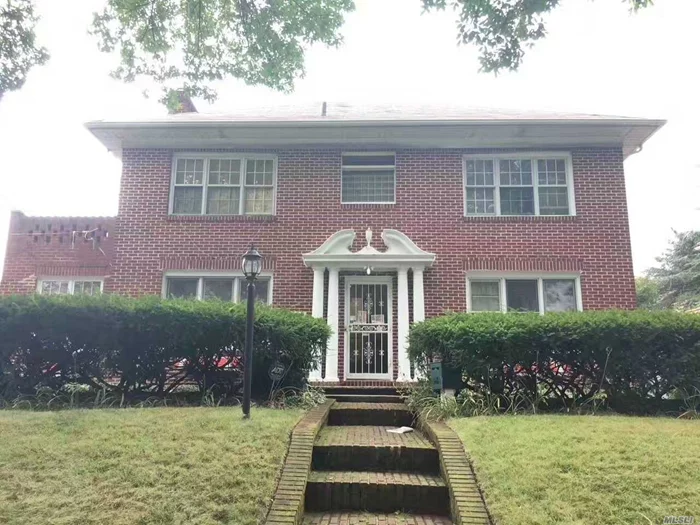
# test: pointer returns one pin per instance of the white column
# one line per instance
(317, 311)
(332, 351)
(418, 304)
(418, 297)
(404, 362)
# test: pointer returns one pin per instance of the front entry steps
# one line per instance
(363, 475)
(377, 492)
(368, 518)
(372, 448)
(396, 414)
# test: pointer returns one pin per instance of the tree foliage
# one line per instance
(648, 297)
(678, 275)
(186, 45)
(503, 29)
(19, 51)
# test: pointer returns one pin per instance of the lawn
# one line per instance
(585, 469)
(150, 466)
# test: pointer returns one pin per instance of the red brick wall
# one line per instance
(428, 209)
(46, 247)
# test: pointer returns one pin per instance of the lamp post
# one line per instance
(252, 264)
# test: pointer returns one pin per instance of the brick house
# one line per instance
(372, 220)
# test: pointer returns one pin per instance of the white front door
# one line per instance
(368, 321)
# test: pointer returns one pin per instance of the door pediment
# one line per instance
(337, 252)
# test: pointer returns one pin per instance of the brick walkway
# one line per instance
(367, 436)
(366, 518)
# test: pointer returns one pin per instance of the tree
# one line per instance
(186, 45)
(19, 51)
(678, 276)
(647, 293)
(503, 29)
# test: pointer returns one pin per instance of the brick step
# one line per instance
(377, 492)
(359, 390)
(366, 398)
(396, 414)
(372, 448)
(369, 518)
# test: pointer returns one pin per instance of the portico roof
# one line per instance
(336, 252)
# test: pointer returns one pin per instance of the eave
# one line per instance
(627, 134)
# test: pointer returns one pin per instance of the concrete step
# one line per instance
(392, 414)
(377, 492)
(366, 398)
(372, 448)
(370, 518)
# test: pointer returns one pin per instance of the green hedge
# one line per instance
(634, 361)
(148, 345)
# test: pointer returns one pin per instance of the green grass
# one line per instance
(171, 466)
(585, 469)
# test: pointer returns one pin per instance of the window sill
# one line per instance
(366, 205)
(222, 218)
(519, 218)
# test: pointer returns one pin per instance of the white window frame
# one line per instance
(71, 282)
(206, 157)
(367, 168)
(531, 156)
(201, 275)
(537, 276)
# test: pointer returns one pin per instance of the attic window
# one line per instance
(368, 178)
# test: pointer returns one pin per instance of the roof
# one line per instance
(442, 126)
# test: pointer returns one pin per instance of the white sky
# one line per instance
(598, 58)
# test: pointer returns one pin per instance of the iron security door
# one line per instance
(368, 321)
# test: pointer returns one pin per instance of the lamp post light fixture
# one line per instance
(252, 264)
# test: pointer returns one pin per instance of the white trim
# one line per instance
(533, 156)
(200, 275)
(401, 251)
(243, 157)
(540, 277)
(382, 280)
(370, 167)
(71, 280)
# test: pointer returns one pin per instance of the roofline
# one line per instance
(100, 124)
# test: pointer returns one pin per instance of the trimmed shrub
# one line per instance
(148, 346)
(630, 361)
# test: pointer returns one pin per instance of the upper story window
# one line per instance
(224, 185)
(368, 178)
(513, 184)
(70, 286)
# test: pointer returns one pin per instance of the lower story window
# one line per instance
(216, 288)
(524, 294)
(70, 286)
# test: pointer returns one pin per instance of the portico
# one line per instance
(368, 309)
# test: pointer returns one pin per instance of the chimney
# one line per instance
(183, 103)
(323, 109)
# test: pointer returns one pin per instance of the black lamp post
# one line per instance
(252, 264)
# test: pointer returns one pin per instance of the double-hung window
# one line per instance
(215, 287)
(516, 293)
(368, 178)
(223, 184)
(513, 184)
(70, 286)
